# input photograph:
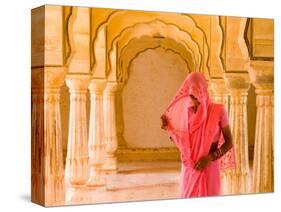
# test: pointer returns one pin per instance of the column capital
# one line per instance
(237, 81)
(77, 82)
(112, 87)
(262, 74)
(54, 76)
(218, 85)
(37, 78)
(97, 85)
(47, 77)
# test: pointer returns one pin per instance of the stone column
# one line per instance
(111, 141)
(76, 172)
(261, 73)
(119, 117)
(54, 168)
(37, 136)
(237, 180)
(96, 134)
(48, 143)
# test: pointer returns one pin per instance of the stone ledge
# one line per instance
(148, 154)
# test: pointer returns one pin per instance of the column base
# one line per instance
(97, 177)
(110, 165)
(234, 182)
(76, 194)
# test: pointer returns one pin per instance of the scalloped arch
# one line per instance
(138, 45)
(158, 28)
(116, 23)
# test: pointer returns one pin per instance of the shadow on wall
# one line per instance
(251, 110)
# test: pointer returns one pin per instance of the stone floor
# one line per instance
(134, 181)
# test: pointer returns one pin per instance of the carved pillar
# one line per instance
(76, 172)
(47, 135)
(237, 181)
(78, 79)
(261, 73)
(54, 169)
(119, 117)
(37, 136)
(111, 141)
(96, 134)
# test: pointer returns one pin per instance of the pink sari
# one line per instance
(194, 137)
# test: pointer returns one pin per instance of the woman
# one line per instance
(200, 130)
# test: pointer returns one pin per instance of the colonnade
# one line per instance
(91, 152)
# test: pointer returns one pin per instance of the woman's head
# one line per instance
(197, 88)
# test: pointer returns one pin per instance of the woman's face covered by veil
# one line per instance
(192, 99)
(197, 90)
(193, 91)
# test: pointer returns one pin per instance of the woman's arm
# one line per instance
(226, 145)
(216, 154)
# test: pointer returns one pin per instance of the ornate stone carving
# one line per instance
(110, 164)
(79, 38)
(76, 172)
(37, 145)
(46, 134)
(218, 91)
(96, 134)
(119, 116)
(237, 181)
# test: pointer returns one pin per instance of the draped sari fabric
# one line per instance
(194, 137)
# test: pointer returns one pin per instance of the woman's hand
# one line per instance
(164, 122)
(202, 162)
